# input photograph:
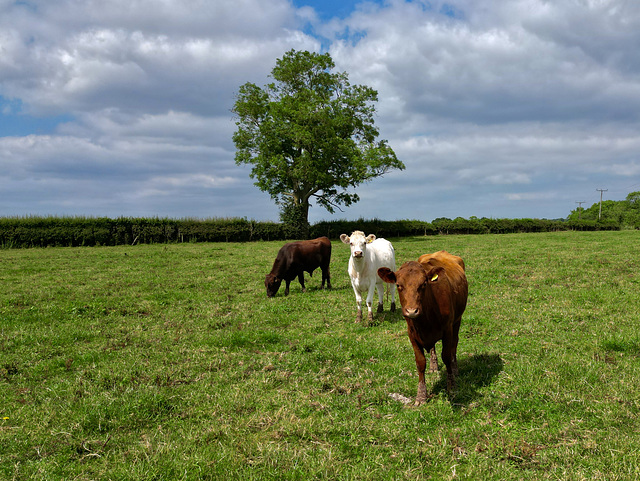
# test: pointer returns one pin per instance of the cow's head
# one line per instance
(414, 283)
(272, 283)
(358, 243)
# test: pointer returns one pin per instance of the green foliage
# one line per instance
(84, 231)
(294, 220)
(444, 226)
(381, 228)
(625, 213)
(159, 362)
(310, 134)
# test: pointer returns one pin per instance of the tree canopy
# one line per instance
(310, 135)
(624, 212)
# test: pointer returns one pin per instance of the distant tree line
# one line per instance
(103, 231)
(16, 232)
(625, 213)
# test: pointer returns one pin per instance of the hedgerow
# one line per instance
(89, 231)
(52, 231)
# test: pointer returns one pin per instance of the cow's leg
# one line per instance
(447, 358)
(380, 288)
(372, 288)
(301, 281)
(421, 365)
(454, 346)
(326, 276)
(392, 308)
(286, 290)
(358, 304)
(433, 360)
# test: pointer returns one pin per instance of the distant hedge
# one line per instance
(444, 226)
(88, 231)
(97, 231)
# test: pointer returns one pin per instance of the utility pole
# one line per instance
(601, 191)
(580, 207)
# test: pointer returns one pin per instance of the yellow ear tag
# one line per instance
(434, 278)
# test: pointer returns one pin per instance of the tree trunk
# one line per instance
(295, 215)
(304, 215)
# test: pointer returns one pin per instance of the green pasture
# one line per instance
(168, 362)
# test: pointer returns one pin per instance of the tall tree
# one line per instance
(310, 134)
(634, 200)
(625, 212)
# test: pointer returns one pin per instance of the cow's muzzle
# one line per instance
(411, 312)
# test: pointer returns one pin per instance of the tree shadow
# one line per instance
(474, 373)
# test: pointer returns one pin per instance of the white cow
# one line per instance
(368, 254)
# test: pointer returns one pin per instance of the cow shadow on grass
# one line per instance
(474, 373)
(340, 288)
(296, 289)
(384, 317)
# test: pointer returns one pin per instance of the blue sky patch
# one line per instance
(13, 123)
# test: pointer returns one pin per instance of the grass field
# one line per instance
(168, 362)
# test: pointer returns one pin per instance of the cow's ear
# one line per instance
(344, 238)
(371, 238)
(387, 275)
(434, 274)
(441, 289)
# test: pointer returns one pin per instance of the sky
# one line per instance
(515, 109)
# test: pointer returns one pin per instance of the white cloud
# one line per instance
(191, 181)
(144, 55)
(493, 107)
(531, 196)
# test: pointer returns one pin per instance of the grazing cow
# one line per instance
(433, 293)
(294, 259)
(368, 254)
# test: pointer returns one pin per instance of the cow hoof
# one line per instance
(421, 395)
(359, 317)
(370, 316)
(380, 309)
(393, 307)
(451, 386)
(422, 398)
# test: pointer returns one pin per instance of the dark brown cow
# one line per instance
(433, 294)
(294, 259)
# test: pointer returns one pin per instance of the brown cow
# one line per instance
(428, 261)
(294, 259)
(433, 294)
